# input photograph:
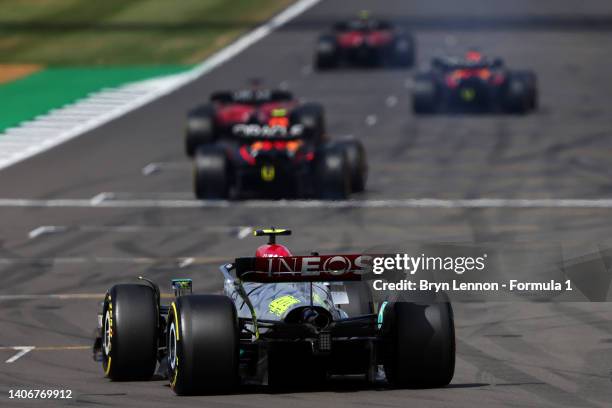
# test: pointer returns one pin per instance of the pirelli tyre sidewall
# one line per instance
(425, 94)
(404, 50)
(129, 332)
(211, 170)
(203, 345)
(518, 94)
(333, 175)
(357, 163)
(418, 344)
(199, 129)
(326, 56)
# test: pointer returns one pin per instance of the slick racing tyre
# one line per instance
(357, 162)
(518, 97)
(531, 82)
(326, 54)
(200, 129)
(203, 345)
(312, 117)
(333, 175)
(129, 332)
(418, 344)
(425, 95)
(211, 173)
(404, 51)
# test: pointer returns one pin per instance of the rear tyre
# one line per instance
(333, 176)
(517, 98)
(203, 345)
(200, 129)
(129, 332)
(326, 54)
(419, 344)
(357, 163)
(404, 51)
(424, 96)
(531, 82)
(211, 173)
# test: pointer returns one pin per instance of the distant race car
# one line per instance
(474, 84)
(365, 42)
(214, 120)
(284, 154)
(283, 321)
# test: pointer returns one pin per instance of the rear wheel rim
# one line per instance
(106, 344)
(172, 347)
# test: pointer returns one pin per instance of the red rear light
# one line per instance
(498, 79)
(244, 153)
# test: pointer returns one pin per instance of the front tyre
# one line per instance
(129, 332)
(419, 344)
(203, 345)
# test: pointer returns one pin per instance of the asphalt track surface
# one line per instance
(509, 354)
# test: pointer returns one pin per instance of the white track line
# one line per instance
(45, 229)
(390, 203)
(109, 104)
(23, 350)
(156, 167)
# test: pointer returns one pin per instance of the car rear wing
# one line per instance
(312, 268)
(253, 131)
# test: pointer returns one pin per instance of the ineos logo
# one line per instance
(336, 265)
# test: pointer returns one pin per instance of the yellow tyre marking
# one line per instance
(176, 333)
(108, 366)
(173, 383)
(176, 322)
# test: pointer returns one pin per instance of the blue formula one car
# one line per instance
(282, 321)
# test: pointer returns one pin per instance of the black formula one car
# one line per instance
(474, 84)
(365, 42)
(214, 120)
(279, 156)
(283, 321)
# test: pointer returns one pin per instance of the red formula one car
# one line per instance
(215, 120)
(474, 84)
(283, 157)
(365, 42)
